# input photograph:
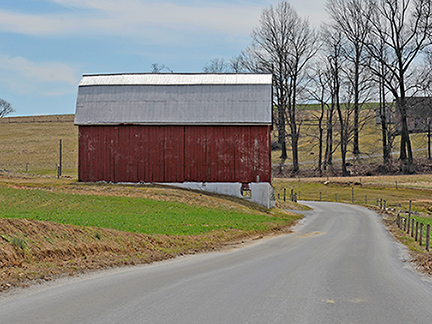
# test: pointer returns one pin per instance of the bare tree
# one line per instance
(5, 108)
(158, 68)
(349, 18)
(283, 45)
(217, 65)
(404, 27)
(319, 91)
(333, 47)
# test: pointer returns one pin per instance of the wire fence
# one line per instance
(38, 168)
(412, 222)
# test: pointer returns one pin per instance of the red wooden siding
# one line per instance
(174, 153)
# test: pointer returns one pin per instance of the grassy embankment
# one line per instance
(50, 227)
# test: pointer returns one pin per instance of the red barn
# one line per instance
(175, 128)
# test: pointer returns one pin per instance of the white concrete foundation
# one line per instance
(261, 193)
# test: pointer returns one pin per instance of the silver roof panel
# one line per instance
(179, 103)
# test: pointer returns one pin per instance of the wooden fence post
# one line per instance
(284, 194)
(427, 237)
(409, 223)
(409, 216)
(416, 229)
(421, 234)
(336, 197)
(412, 227)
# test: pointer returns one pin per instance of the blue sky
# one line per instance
(46, 46)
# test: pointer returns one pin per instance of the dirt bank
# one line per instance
(33, 251)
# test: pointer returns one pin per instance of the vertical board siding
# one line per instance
(174, 153)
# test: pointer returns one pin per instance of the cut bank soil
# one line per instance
(35, 251)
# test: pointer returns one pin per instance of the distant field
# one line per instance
(33, 147)
(396, 190)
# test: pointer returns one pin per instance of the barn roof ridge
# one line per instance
(174, 79)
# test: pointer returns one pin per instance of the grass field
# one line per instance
(34, 147)
(138, 209)
(396, 190)
(132, 214)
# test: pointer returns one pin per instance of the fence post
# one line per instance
(385, 204)
(284, 194)
(427, 237)
(409, 223)
(421, 234)
(336, 197)
(409, 214)
(320, 196)
(365, 200)
(60, 161)
(416, 229)
(412, 227)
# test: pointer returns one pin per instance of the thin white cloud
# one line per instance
(24, 76)
(133, 16)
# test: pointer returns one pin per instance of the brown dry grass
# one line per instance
(33, 251)
(419, 255)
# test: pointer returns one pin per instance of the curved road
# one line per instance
(340, 266)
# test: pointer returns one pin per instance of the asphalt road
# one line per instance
(340, 266)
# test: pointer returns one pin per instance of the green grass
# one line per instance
(131, 214)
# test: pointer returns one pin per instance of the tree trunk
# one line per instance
(329, 139)
(429, 140)
(321, 135)
(406, 156)
(356, 146)
(282, 131)
(294, 140)
(384, 127)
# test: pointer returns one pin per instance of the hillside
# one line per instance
(54, 227)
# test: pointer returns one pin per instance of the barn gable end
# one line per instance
(183, 129)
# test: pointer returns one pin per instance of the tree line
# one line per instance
(369, 51)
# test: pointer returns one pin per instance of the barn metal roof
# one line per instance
(174, 99)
